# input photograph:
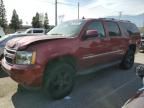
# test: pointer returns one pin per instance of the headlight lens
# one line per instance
(25, 57)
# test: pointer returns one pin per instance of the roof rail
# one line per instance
(114, 19)
(125, 20)
(107, 18)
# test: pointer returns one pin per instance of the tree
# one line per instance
(36, 21)
(3, 20)
(15, 22)
(46, 21)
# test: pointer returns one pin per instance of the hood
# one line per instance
(22, 42)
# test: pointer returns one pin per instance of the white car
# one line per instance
(1, 32)
(33, 31)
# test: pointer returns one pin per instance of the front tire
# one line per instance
(59, 80)
(128, 59)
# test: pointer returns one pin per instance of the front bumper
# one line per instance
(27, 75)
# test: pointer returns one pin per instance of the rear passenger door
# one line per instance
(117, 45)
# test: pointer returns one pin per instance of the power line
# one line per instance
(46, 2)
(66, 3)
(61, 3)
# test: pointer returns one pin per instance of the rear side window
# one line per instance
(113, 29)
(37, 31)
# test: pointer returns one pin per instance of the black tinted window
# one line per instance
(131, 29)
(37, 31)
(97, 26)
(113, 29)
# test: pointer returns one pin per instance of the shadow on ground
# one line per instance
(108, 88)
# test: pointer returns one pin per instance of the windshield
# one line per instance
(69, 28)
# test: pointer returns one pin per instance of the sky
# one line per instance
(67, 9)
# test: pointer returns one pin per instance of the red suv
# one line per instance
(73, 47)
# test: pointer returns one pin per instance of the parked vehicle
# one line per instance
(1, 32)
(142, 43)
(138, 100)
(73, 47)
(36, 31)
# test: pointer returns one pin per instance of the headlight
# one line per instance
(25, 57)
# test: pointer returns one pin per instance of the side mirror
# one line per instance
(140, 71)
(92, 33)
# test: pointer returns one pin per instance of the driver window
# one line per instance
(97, 26)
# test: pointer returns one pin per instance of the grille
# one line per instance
(9, 60)
(9, 56)
(10, 51)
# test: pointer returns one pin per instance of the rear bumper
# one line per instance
(27, 75)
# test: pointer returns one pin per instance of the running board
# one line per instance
(97, 68)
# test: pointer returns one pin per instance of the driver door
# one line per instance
(97, 46)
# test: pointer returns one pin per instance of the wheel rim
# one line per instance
(60, 83)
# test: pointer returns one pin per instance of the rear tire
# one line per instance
(128, 59)
(59, 80)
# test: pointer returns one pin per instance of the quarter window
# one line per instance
(129, 29)
(113, 29)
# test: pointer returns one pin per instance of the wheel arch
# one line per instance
(65, 58)
(133, 47)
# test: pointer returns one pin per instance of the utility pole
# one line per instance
(120, 15)
(60, 19)
(55, 12)
(78, 10)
